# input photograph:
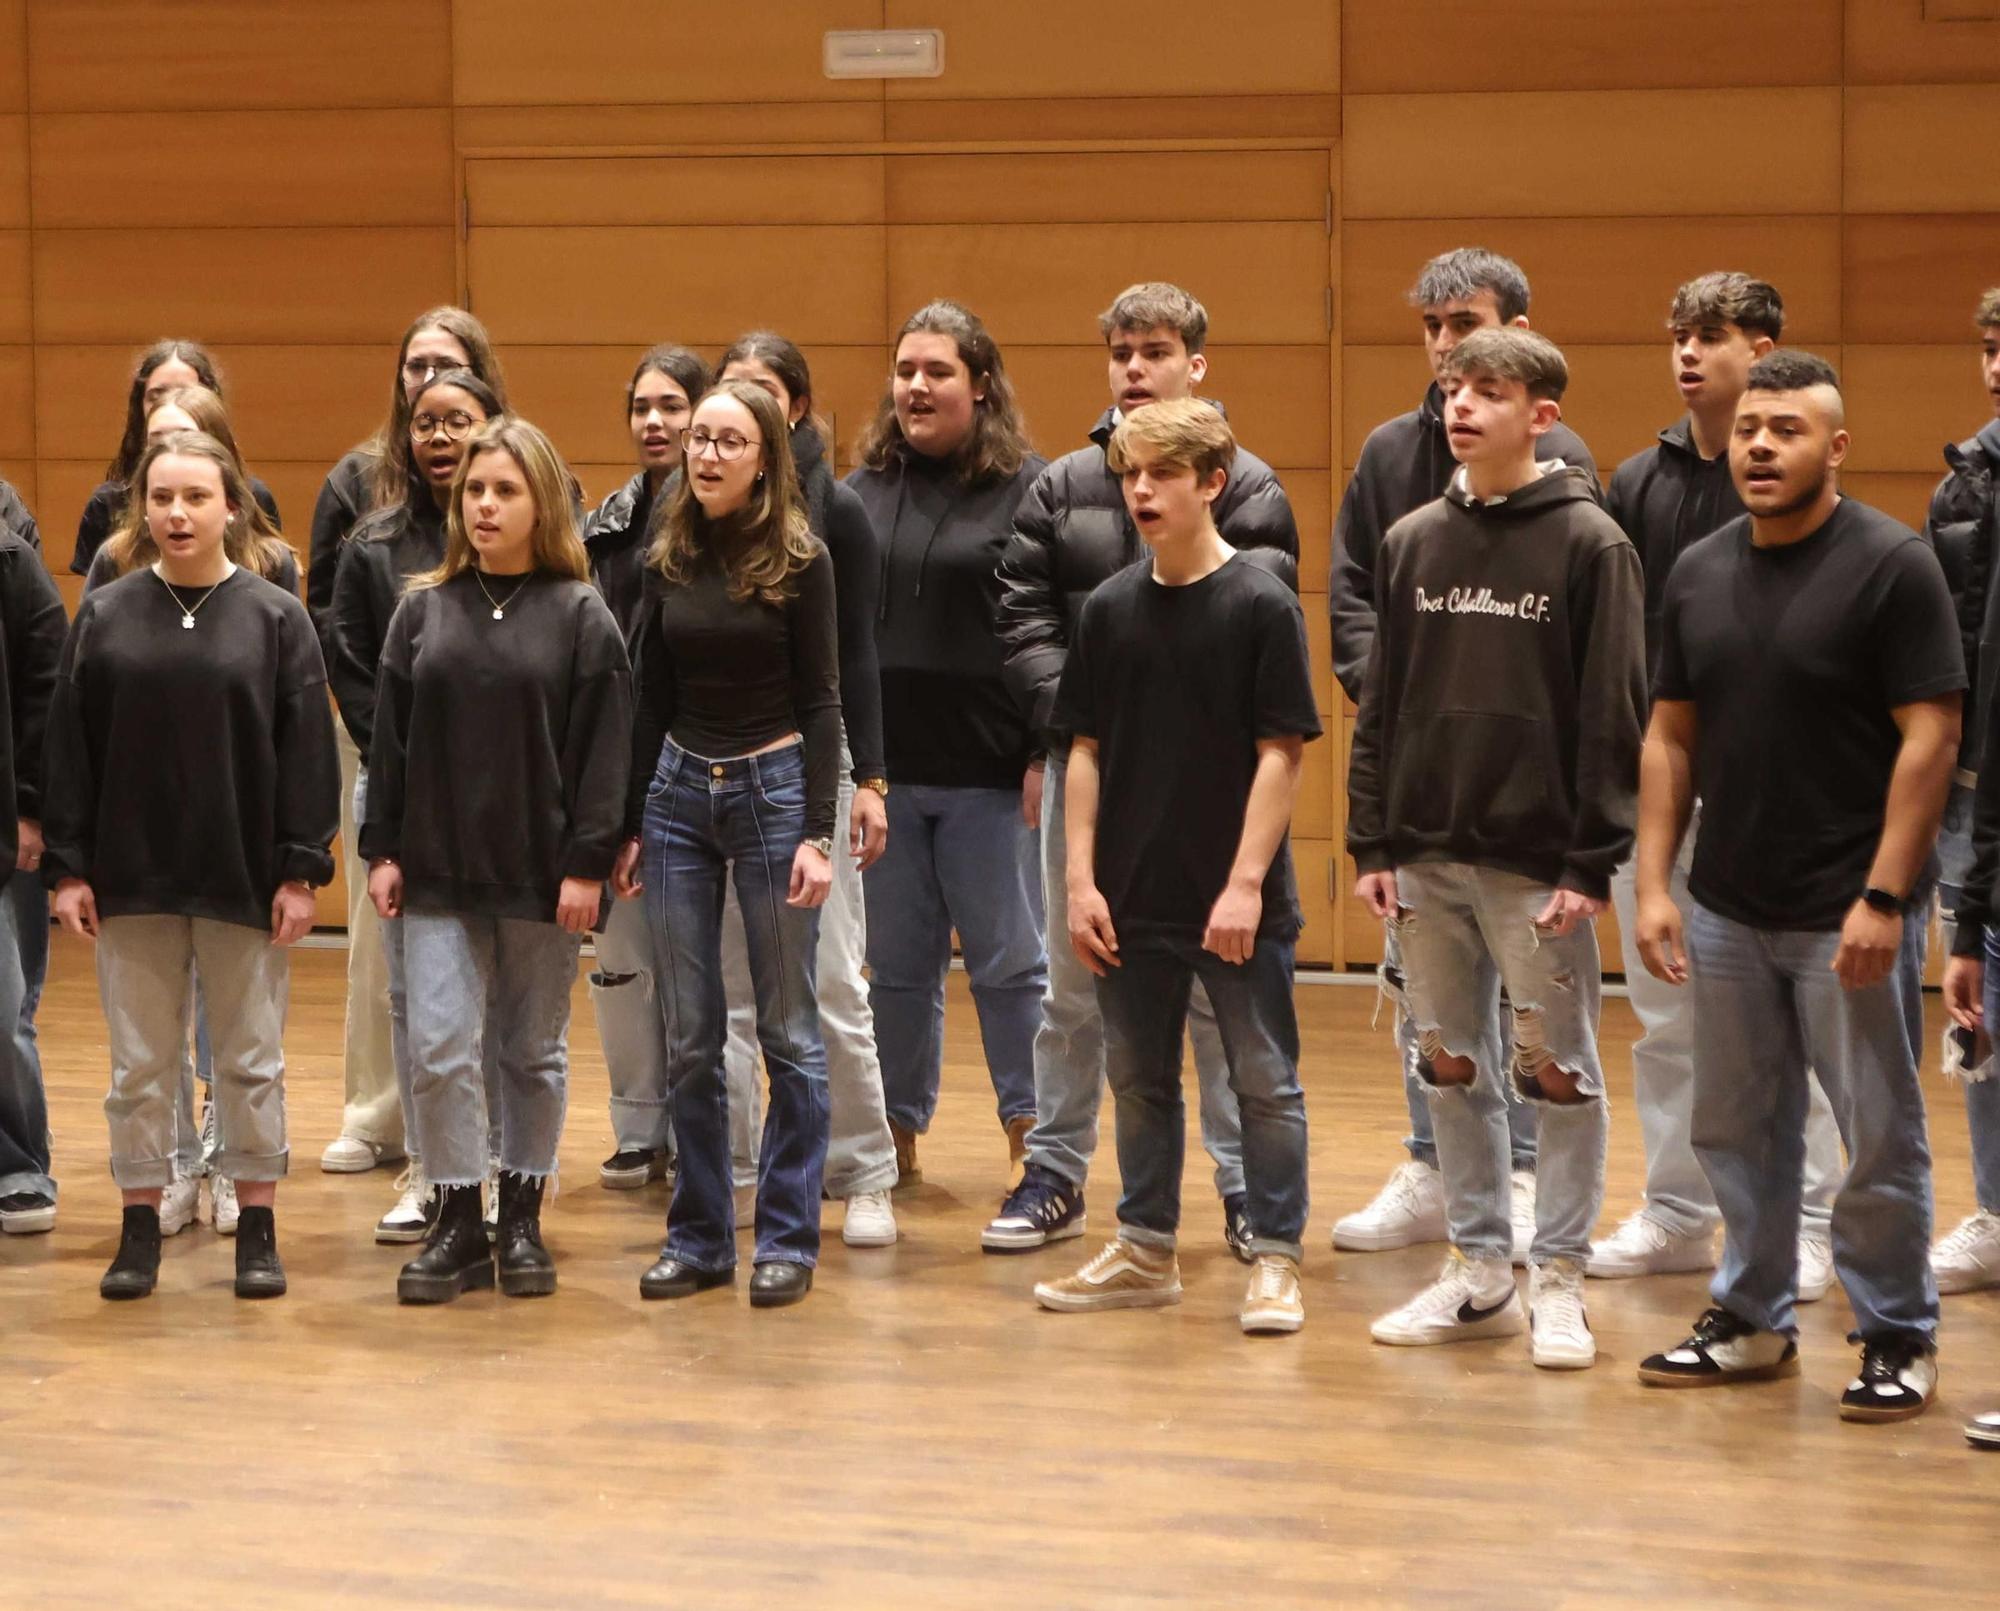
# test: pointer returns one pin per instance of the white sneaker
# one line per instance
(1522, 1211)
(1643, 1246)
(1815, 1267)
(492, 1202)
(1558, 1329)
(223, 1210)
(180, 1205)
(1467, 1301)
(410, 1219)
(350, 1155)
(870, 1221)
(1407, 1210)
(1969, 1258)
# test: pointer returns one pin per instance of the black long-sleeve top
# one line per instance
(101, 573)
(948, 716)
(724, 678)
(344, 497)
(386, 550)
(32, 625)
(841, 522)
(497, 760)
(107, 503)
(190, 771)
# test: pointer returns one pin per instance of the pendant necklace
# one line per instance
(500, 605)
(187, 611)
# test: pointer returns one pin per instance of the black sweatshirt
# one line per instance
(190, 772)
(948, 717)
(839, 521)
(1504, 703)
(386, 550)
(1665, 499)
(101, 573)
(346, 495)
(15, 517)
(1405, 463)
(107, 503)
(724, 678)
(32, 625)
(496, 768)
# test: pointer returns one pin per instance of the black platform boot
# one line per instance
(526, 1270)
(258, 1272)
(137, 1266)
(456, 1256)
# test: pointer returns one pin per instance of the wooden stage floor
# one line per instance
(918, 1433)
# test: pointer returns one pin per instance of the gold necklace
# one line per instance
(499, 609)
(187, 614)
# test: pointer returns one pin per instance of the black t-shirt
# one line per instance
(1177, 684)
(1794, 657)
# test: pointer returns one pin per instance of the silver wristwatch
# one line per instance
(824, 845)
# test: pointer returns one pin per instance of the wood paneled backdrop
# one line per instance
(290, 182)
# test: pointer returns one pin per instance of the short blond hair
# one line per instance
(1513, 354)
(1186, 434)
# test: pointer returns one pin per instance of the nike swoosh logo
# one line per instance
(1470, 1314)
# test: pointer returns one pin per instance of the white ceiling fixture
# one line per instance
(884, 53)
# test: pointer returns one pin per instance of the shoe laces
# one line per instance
(1400, 1191)
(1972, 1230)
(1273, 1279)
(1719, 1326)
(868, 1202)
(1884, 1359)
(1640, 1227)
(1558, 1297)
(1041, 1197)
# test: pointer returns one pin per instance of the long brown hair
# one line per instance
(783, 358)
(763, 544)
(249, 540)
(132, 445)
(390, 445)
(997, 445)
(555, 544)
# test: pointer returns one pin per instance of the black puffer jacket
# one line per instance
(1072, 532)
(1965, 509)
(615, 538)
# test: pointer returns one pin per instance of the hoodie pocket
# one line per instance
(1474, 778)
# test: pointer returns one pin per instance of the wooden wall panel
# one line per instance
(137, 170)
(1313, 814)
(1396, 45)
(16, 285)
(273, 285)
(1135, 117)
(1090, 188)
(604, 286)
(1892, 42)
(1654, 153)
(13, 56)
(139, 55)
(1044, 284)
(17, 404)
(1912, 150)
(1904, 494)
(492, 128)
(13, 172)
(675, 190)
(1595, 279)
(1058, 48)
(1905, 403)
(1917, 277)
(525, 52)
(1309, 864)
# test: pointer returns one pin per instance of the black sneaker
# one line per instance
(1722, 1350)
(1044, 1208)
(1236, 1225)
(1898, 1380)
(631, 1168)
(24, 1213)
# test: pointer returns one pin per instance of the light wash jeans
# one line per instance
(1466, 932)
(373, 1109)
(710, 822)
(1982, 1097)
(625, 998)
(860, 1152)
(957, 859)
(1069, 1046)
(1678, 1196)
(144, 969)
(24, 1106)
(1768, 1007)
(481, 987)
(1145, 1002)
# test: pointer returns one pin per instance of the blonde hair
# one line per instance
(762, 545)
(1186, 434)
(555, 544)
(250, 540)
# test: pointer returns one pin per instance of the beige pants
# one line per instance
(373, 1111)
(145, 970)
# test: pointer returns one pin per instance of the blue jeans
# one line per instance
(708, 821)
(1466, 932)
(957, 858)
(24, 1107)
(1766, 1008)
(1982, 1097)
(1145, 1006)
(487, 990)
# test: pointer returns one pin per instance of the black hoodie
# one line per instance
(1504, 702)
(1404, 464)
(947, 717)
(1666, 498)
(839, 521)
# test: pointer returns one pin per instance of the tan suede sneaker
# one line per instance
(1123, 1276)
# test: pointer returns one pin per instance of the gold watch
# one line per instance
(879, 785)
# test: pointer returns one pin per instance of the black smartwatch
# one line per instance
(1882, 901)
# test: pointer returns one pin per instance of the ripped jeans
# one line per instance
(1464, 932)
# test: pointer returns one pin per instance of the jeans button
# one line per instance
(715, 772)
